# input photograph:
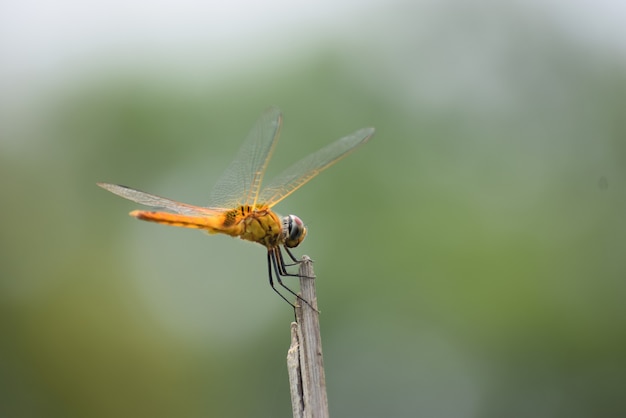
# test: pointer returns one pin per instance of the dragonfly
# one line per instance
(240, 206)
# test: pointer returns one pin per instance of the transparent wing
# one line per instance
(241, 182)
(304, 170)
(157, 201)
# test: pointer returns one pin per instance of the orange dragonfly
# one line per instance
(239, 207)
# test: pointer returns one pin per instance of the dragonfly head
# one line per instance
(294, 231)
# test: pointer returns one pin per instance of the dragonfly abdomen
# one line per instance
(212, 224)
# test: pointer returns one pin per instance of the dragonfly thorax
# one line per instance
(294, 231)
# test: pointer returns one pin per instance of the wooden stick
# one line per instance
(295, 375)
(306, 375)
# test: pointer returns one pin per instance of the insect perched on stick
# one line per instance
(240, 207)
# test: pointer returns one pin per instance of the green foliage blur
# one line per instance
(469, 258)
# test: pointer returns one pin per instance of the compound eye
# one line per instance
(294, 231)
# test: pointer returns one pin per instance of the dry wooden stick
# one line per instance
(304, 358)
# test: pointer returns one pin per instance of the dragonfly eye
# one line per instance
(294, 231)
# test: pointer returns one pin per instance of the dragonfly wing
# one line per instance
(304, 170)
(157, 201)
(241, 182)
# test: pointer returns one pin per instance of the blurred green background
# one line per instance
(470, 258)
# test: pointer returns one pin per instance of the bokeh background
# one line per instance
(470, 258)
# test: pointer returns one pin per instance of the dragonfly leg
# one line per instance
(275, 257)
(285, 265)
(293, 257)
(271, 262)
